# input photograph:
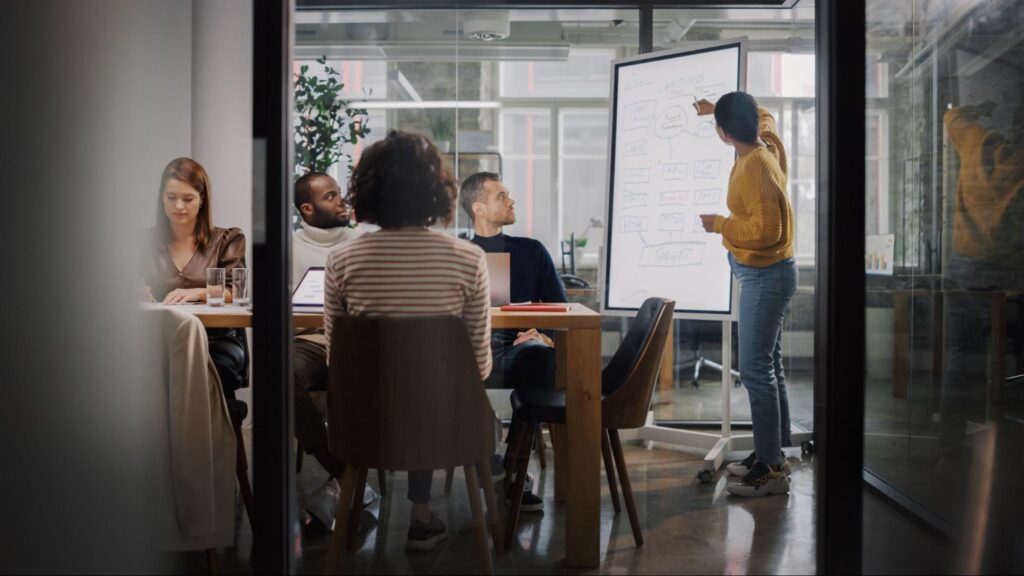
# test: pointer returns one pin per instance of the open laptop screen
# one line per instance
(500, 277)
(310, 291)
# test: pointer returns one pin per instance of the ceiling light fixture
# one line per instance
(486, 25)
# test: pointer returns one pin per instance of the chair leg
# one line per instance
(357, 508)
(340, 536)
(515, 493)
(479, 524)
(483, 473)
(211, 561)
(298, 458)
(627, 490)
(449, 477)
(242, 474)
(542, 449)
(609, 470)
(382, 483)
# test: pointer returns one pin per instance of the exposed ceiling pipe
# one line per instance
(677, 29)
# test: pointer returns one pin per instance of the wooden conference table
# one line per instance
(577, 444)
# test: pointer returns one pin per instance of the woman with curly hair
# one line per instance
(759, 236)
(407, 269)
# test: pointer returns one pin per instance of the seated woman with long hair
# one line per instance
(184, 244)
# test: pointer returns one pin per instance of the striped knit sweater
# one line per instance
(411, 272)
(759, 230)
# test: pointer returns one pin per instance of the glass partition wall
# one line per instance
(944, 425)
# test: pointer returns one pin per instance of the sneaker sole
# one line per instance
(767, 492)
(425, 545)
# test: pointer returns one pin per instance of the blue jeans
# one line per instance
(764, 295)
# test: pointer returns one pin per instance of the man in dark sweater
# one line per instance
(521, 358)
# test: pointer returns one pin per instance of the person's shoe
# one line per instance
(761, 481)
(530, 503)
(425, 536)
(743, 466)
(321, 505)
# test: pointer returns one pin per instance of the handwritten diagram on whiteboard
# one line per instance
(668, 166)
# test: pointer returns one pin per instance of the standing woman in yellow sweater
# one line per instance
(759, 236)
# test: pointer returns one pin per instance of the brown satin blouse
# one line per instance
(226, 249)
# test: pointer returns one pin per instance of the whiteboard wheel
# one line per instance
(704, 476)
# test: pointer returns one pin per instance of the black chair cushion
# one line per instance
(539, 405)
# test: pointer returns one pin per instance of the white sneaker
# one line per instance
(743, 466)
(760, 481)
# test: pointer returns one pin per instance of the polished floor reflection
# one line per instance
(689, 527)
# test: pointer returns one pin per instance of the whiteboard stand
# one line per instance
(714, 446)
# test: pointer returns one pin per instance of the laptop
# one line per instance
(309, 294)
(498, 271)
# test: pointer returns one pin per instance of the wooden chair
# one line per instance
(409, 397)
(627, 383)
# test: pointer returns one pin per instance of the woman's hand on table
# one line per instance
(184, 295)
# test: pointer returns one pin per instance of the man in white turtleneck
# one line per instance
(325, 224)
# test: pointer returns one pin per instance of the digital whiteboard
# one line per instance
(666, 167)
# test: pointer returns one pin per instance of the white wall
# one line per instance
(222, 106)
(222, 114)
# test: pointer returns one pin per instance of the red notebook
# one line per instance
(535, 308)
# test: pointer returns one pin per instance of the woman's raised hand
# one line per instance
(704, 107)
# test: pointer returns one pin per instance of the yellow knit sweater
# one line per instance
(989, 191)
(759, 231)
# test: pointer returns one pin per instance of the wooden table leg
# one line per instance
(583, 447)
(901, 345)
(557, 430)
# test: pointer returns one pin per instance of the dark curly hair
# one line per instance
(402, 181)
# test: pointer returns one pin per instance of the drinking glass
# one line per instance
(215, 286)
(240, 286)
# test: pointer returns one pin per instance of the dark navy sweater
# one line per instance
(533, 276)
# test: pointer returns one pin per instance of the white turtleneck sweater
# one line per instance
(310, 247)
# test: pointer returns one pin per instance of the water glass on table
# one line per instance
(215, 286)
(240, 286)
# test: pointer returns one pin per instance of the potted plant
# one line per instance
(324, 121)
(440, 122)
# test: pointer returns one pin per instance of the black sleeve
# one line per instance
(549, 284)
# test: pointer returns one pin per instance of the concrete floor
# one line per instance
(689, 527)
